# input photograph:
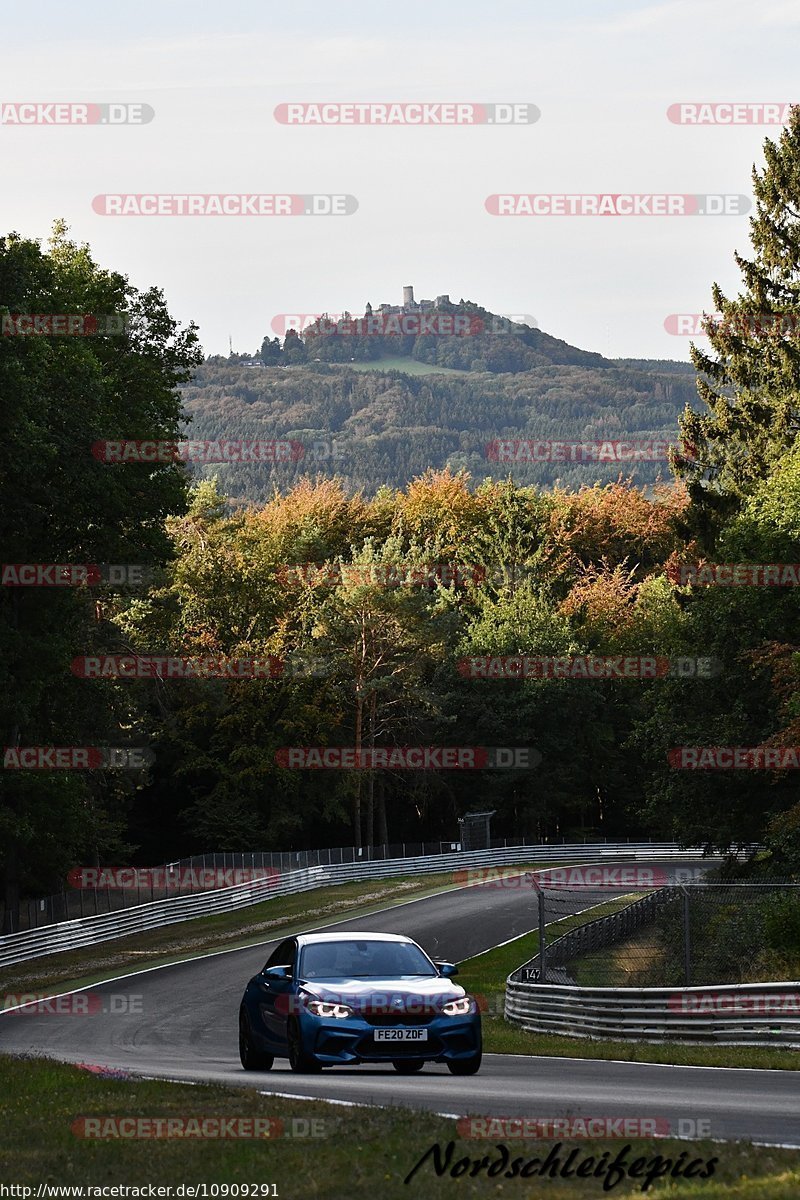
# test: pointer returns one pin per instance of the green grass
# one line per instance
(617, 965)
(361, 1152)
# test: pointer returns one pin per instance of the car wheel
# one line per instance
(465, 1066)
(299, 1061)
(251, 1057)
(408, 1066)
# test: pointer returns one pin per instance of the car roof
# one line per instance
(307, 939)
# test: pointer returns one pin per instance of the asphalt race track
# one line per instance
(180, 1022)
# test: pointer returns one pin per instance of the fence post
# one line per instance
(542, 956)
(687, 953)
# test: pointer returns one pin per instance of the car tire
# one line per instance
(251, 1057)
(408, 1066)
(299, 1061)
(465, 1066)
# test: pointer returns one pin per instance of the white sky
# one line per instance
(602, 73)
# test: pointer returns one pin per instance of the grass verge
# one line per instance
(620, 965)
(361, 1152)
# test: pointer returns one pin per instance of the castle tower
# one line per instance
(408, 296)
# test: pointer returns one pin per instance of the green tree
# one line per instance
(59, 504)
(749, 380)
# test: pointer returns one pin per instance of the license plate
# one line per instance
(401, 1035)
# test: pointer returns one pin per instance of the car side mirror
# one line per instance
(277, 972)
(447, 970)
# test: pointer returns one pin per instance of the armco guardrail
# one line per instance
(164, 881)
(87, 931)
(746, 1014)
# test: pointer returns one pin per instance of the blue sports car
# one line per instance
(335, 999)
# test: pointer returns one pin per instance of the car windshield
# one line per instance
(363, 960)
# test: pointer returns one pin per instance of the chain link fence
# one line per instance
(695, 934)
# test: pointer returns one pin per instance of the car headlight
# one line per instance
(458, 1008)
(325, 1008)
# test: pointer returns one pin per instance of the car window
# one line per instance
(283, 955)
(355, 959)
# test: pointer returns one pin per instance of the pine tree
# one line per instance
(750, 379)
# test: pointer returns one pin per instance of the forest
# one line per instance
(418, 596)
(372, 428)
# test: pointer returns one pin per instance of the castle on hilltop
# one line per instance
(410, 305)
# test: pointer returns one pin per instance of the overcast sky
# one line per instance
(603, 74)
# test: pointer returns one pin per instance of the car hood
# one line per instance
(378, 995)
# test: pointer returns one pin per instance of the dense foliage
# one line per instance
(58, 395)
(385, 427)
(341, 569)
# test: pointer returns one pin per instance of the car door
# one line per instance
(275, 994)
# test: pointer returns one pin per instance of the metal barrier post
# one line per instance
(542, 935)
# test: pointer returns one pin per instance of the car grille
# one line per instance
(387, 1020)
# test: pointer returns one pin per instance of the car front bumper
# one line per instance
(352, 1040)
